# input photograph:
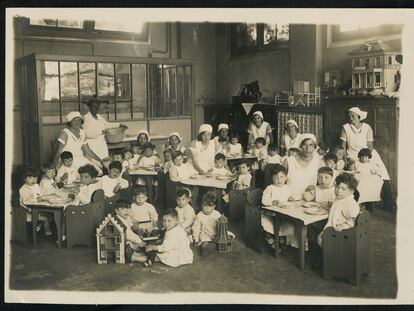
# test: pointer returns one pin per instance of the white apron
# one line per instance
(260, 132)
(291, 143)
(74, 145)
(299, 177)
(205, 156)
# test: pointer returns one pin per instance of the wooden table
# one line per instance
(210, 182)
(155, 139)
(295, 212)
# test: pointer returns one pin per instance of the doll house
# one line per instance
(375, 69)
(110, 240)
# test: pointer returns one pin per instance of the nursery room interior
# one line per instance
(164, 157)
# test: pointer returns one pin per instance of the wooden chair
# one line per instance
(171, 192)
(82, 221)
(237, 201)
(346, 253)
(253, 232)
(19, 225)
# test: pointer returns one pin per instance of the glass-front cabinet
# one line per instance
(130, 88)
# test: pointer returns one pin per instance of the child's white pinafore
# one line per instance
(369, 186)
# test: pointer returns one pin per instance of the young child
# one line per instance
(245, 178)
(167, 159)
(278, 193)
(118, 155)
(30, 193)
(137, 150)
(325, 190)
(340, 154)
(260, 148)
(67, 173)
(322, 150)
(141, 210)
(345, 209)
(272, 156)
(205, 224)
(89, 184)
(175, 249)
(186, 214)
(293, 152)
(220, 168)
(223, 145)
(234, 148)
(48, 184)
(148, 161)
(113, 182)
(179, 170)
(128, 161)
(330, 159)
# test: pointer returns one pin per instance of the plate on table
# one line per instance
(315, 211)
(58, 200)
(222, 177)
(312, 205)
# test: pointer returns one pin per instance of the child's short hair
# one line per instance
(244, 161)
(168, 150)
(209, 198)
(30, 172)
(66, 155)
(171, 212)
(260, 140)
(118, 152)
(183, 192)
(330, 156)
(175, 154)
(272, 147)
(127, 149)
(148, 145)
(122, 203)
(140, 190)
(293, 149)
(364, 152)
(326, 170)
(234, 135)
(219, 156)
(47, 167)
(347, 179)
(88, 169)
(116, 164)
(277, 169)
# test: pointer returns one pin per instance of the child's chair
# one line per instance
(237, 201)
(253, 230)
(19, 224)
(346, 253)
(82, 221)
(171, 192)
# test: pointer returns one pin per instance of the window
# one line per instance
(125, 90)
(377, 61)
(248, 38)
(57, 23)
(377, 77)
(389, 60)
(134, 26)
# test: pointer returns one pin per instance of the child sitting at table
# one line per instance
(272, 156)
(292, 152)
(245, 178)
(67, 172)
(167, 159)
(179, 170)
(128, 161)
(222, 145)
(48, 184)
(234, 148)
(220, 168)
(205, 224)
(89, 184)
(141, 210)
(137, 151)
(148, 161)
(260, 148)
(277, 194)
(113, 182)
(175, 249)
(30, 193)
(344, 209)
(118, 155)
(340, 154)
(186, 214)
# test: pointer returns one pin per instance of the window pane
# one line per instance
(43, 22)
(126, 26)
(139, 90)
(68, 107)
(180, 94)
(123, 110)
(170, 94)
(68, 81)
(50, 112)
(70, 23)
(107, 110)
(269, 34)
(283, 32)
(49, 85)
(87, 80)
(106, 80)
(156, 93)
(187, 91)
(123, 81)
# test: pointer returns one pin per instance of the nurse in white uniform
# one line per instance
(203, 150)
(292, 137)
(259, 128)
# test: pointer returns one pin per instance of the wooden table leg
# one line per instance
(35, 219)
(218, 194)
(301, 232)
(58, 221)
(277, 222)
(149, 185)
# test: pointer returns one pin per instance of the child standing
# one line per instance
(175, 249)
(186, 214)
(245, 178)
(345, 209)
(148, 161)
(67, 173)
(30, 193)
(205, 224)
(113, 182)
(48, 184)
(89, 184)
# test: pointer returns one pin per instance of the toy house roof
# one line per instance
(118, 224)
(373, 47)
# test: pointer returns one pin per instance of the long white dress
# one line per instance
(74, 145)
(356, 139)
(205, 155)
(94, 137)
(300, 177)
(261, 131)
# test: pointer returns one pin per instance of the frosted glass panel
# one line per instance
(68, 80)
(106, 87)
(87, 79)
(49, 84)
(139, 90)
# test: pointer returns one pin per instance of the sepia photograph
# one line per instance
(208, 156)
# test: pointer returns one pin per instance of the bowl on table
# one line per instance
(315, 211)
(311, 204)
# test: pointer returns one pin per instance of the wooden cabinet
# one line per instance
(382, 117)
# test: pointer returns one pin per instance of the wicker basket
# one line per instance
(115, 135)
